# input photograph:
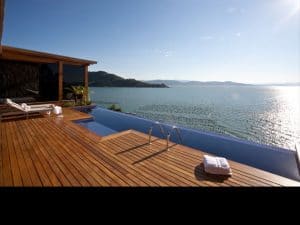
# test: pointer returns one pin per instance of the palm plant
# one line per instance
(77, 91)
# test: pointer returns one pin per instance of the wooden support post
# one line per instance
(60, 81)
(86, 81)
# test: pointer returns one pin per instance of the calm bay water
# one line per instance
(268, 115)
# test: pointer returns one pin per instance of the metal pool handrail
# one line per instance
(160, 128)
(167, 136)
(178, 133)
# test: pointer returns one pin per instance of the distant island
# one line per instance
(195, 83)
(281, 84)
(104, 79)
(215, 83)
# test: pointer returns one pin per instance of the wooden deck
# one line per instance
(53, 151)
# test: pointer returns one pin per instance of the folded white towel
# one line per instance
(57, 110)
(216, 165)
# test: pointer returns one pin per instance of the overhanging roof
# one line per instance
(18, 54)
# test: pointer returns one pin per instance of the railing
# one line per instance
(178, 133)
(160, 128)
(166, 136)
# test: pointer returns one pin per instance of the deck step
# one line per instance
(97, 128)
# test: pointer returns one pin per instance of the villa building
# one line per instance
(39, 76)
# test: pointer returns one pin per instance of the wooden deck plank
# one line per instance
(154, 175)
(83, 132)
(161, 170)
(103, 149)
(70, 114)
(54, 151)
(197, 155)
(54, 174)
(116, 170)
(141, 152)
(76, 160)
(183, 155)
(56, 148)
(151, 177)
(161, 159)
(41, 166)
(7, 171)
(73, 139)
(164, 166)
(97, 165)
(180, 161)
(49, 151)
(18, 149)
(35, 179)
(254, 183)
(16, 175)
(143, 182)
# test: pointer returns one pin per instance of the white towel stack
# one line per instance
(57, 110)
(216, 165)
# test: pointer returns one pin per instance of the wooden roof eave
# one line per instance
(11, 53)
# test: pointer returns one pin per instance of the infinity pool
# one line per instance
(273, 159)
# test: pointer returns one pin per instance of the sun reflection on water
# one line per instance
(287, 112)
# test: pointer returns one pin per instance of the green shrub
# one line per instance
(114, 107)
(80, 94)
(68, 104)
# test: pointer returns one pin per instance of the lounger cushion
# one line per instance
(11, 103)
(25, 106)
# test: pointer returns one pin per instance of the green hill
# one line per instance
(104, 79)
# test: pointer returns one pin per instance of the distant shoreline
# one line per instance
(105, 79)
(189, 86)
(215, 83)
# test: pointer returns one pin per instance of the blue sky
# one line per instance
(251, 41)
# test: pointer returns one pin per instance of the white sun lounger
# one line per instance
(27, 109)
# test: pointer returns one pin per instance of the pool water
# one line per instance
(96, 127)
